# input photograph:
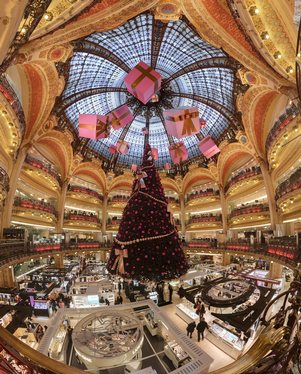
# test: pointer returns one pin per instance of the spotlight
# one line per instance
(24, 30)
(254, 11)
(265, 35)
(48, 16)
(289, 69)
(277, 55)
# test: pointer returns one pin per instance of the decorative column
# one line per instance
(270, 192)
(224, 209)
(104, 214)
(7, 279)
(275, 270)
(226, 259)
(182, 214)
(13, 181)
(61, 206)
(59, 261)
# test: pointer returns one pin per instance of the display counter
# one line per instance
(13, 363)
(6, 319)
(26, 337)
(186, 312)
(225, 338)
(176, 354)
(58, 345)
(151, 324)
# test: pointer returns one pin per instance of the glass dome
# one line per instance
(193, 74)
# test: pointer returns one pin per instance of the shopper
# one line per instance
(170, 289)
(190, 328)
(202, 325)
(181, 292)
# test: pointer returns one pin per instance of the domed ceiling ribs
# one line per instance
(193, 72)
(158, 32)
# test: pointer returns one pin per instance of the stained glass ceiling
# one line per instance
(194, 74)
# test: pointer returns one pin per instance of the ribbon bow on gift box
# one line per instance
(102, 127)
(119, 262)
(188, 126)
(140, 175)
(144, 73)
(177, 148)
(116, 120)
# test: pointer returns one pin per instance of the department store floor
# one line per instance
(153, 346)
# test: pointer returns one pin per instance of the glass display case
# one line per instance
(186, 312)
(225, 338)
(176, 353)
(58, 345)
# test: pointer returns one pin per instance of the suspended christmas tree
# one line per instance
(147, 245)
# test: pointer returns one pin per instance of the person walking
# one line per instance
(190, 328)
(202, 325)
(170, 289)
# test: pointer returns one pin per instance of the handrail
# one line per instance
(55, 367)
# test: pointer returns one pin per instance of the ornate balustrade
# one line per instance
(205, 193)
(172, 200)
(81, 217)
(118, 199)
(283, 121)
(35, 205)
(44, 166)
(86, 191)
(205, 218)
(248, 173)
(291, 184)
(255, 208)
(4, 179)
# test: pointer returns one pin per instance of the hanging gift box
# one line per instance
(182, 122)
(122, 147)
(202, 123)
(167, 166)
(120, 117)
(134, 167)
(143, 82)
(112, 149)
(208, 147)
(155, 153)
(178, 152)
(93, 126)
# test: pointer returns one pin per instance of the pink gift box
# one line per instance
(143, 82)
(155, 153)
(182, 122)
(208, 147)
(167, 166)
(178, 152)
(112, 149)
(120, 117)
(93, 126)
(122, 147)
(134, 167)
(202, 123)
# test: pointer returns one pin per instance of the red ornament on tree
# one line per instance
(144, 248)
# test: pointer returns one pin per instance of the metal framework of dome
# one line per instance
(194, 74)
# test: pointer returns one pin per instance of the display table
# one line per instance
(186, 313)
(175, 353)
(225, 338)
(58, 345)
(26, 337)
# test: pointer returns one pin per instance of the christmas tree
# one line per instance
(147, 245)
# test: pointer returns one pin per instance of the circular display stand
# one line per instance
(226, 293)
(107, 338)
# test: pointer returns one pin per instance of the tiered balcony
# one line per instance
(202, 243)
(4, 183)
(118, 201)
(81, 220)
(44, 167)
(248, 178)
(29, 210)
(207, 196)
(252, 214)
(205, 221)
(85, 191)
(173, 201)
(283, 247)
(113, 223)
(288, 195)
